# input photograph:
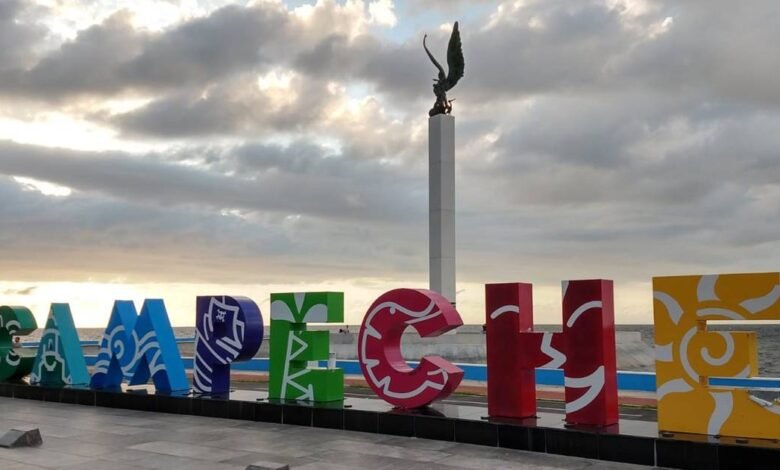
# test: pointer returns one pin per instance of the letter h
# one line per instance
(585, 350)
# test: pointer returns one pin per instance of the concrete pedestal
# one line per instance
(441, 199)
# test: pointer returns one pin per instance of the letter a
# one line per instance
(135, 348)
(60, 361)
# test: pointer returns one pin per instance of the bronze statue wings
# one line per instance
(455, 62)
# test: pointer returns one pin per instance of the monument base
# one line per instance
(630, 441)
(441, 205)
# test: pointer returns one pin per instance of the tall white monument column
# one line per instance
(441, 204)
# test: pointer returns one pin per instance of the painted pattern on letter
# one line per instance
(687, 354)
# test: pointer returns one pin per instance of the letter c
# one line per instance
(15, 363)
(379, 347)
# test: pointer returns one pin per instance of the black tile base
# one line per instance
(241, 410)
(175, 405)
(476, 432)
(440, 429)
(268, 413)
(212, 408)
(572, 443)
(328, 418)
(298, 415)
(359, 420)
(86, 397)
(627, 449)
(687, 455)
(397, 424)
(734, 458)
(522, 438)
(69, 396)
(51, 394)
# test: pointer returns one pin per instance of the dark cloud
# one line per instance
(231, 39)
(86, 65)
(721, 51)
(154, 180)
(90, 236)
(307, 109)
(114, 56)
(234, 107)
(523, 50)
(23, 291)
(717, 49)
(399, 70)
(541, 49)
(19, 35)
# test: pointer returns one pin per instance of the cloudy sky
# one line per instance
(172, 148)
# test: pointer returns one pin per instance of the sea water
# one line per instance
(768, 339)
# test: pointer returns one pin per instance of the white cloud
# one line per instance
(382, 13)
(43, 187)
(62, 130)
(329, 16)
(65, 18)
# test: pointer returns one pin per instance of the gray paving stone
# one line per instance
(431, 466)
(103, 438)
(362, 460)
(99, 464)
(254, 457)
(40, 457)
(83, 449)
(326, 466)
(426, 444)
(113, 440)
(402, 452)
(266, 465)
(19, 466)
(197, 452)
(153, 460)
(209, 466)
(267, 443)
(525, 461)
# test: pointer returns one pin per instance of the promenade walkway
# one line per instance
(103, 438)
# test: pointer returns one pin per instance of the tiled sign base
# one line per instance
(631, 441)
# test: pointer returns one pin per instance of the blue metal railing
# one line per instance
(626, 380)
(34, 344)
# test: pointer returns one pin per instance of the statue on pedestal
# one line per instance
(444, 83)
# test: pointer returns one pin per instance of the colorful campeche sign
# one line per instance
(139, 348)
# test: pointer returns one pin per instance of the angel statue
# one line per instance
(444, 83)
